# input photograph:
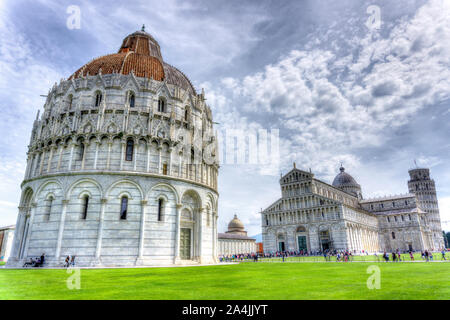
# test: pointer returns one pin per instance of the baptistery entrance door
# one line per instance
(185, 244)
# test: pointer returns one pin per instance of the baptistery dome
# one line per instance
(347, 183)
(140, 53)
(122, 166)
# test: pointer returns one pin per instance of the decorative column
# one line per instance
(17, 234)
(72, 146)
(61, 148)
(108, 160)
(149, 145)
(97, 145)
(214, 237)
(30, 227)
(200, 234)
(177, 234)
(122, 153)
(42, 162)
(29, 161)
(159, 159)
(34, 165)
(139, 259)
(136, 152)
(98, 247)
(180, 174)
(49, 164)
(170, 162)
(83, 160)
(61, 230)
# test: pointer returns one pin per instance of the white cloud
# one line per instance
(328, 117)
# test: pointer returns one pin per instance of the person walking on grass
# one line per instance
(411, 255)
(67, 262)
(443, 254)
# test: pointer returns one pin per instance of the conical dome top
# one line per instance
(139, 54)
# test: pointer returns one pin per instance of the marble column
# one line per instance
(61, 230)
(30, 227)
(18, 233)
(149, 146)
(97, 145)
(101, 219)
(200, 234)
(122, 153)
(140, 258)
(72, 147)
(177, 234)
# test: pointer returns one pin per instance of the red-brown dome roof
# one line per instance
(139, 53)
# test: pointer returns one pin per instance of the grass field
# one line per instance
(2, 263)
(369, 258)
(280, 281)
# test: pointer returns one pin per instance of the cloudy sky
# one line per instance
(339, 84)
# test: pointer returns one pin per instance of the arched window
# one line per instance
(393, 235)
(160, 208)
(98, 99)
(164, 168)
(161, 105)
(131, 99)
(48, 209)
(81, 154)
(123, 207)
(186, 114)
(130, 148)
(85, 207)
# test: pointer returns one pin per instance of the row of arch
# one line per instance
(130, 101)
(190, 203)
(129, 154)
(29, 194)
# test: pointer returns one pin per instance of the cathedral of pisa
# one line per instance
(122, 167)
(313, 216)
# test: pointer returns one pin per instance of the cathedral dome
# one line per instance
(139, 53)
(236, 225)
(346, 182)
(344, 179)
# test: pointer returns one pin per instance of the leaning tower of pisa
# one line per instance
(122, 166)
(424, 188)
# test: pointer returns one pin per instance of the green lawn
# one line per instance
(242, 281)
(2, 263)
(369, 258)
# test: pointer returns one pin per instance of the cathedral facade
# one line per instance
(313, 215)
(122, 167)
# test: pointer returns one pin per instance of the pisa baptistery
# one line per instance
(122, 167)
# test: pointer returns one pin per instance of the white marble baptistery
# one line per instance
(122, 167)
